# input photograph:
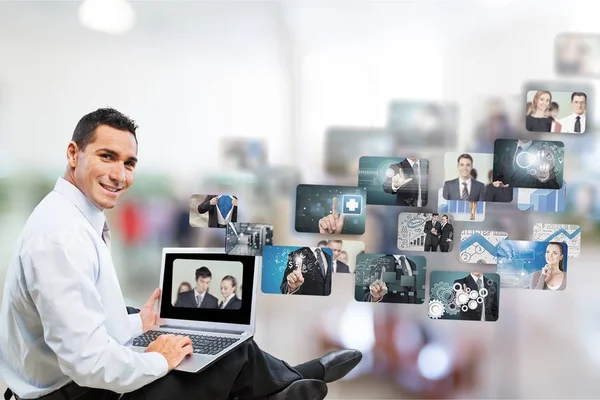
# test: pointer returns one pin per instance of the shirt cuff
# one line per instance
(159, 361)
(135, 325)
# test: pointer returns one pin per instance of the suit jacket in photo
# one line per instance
(518, 177)
(341, 267)
(498, 194)
(452, 191)
(401, 269)
(447, 232)
(315, 282)
(234, 304)
(408, 195)
(188, 300)
(491, 301)
(430, 238)
(213, 219)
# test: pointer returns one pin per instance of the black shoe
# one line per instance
(338, 363)
(303, 389)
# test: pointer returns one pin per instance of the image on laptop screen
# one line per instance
(209, 287)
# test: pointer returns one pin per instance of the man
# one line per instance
(221, 210)
(465, 187)
(338, 265)
(379, 292)
(431, 230)
(515, 159)
(486, 311)
(497, 191)
(445, 235)
(228, 290)
(308, 272)
(199, 296)
(322, 243)
(63, 315)
(575, 123)
(343, 257)
(408, 181)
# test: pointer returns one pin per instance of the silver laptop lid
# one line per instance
(217, 274)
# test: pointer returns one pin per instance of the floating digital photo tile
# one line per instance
(461, 210)
(213, 210)
(344, 253)
(390, 278)
(331, 209)
(479, 246)
(425, 232)
(310, 269)
(243, 238)
(569, 234)
(542, 200)
(464, 296)
(532, 265)
(395, 181)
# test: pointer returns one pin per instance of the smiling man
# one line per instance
(465, 187)
(65, 327)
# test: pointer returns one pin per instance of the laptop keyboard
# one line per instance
(202, 344)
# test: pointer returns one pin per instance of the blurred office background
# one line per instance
(252, 98)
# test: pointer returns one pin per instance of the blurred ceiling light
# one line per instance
(114, 17)
(434, 362)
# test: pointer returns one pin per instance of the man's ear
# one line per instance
(72, 154)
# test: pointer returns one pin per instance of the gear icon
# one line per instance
(436, 309)
(492, 290)
(473, 294)
(443, 292)
(452, 309)
(457, 287)
(483, 292)
(472, 304)
(480, 300)
(462, 298)
(465, 308)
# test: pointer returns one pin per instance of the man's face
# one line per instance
(464, 168)
(554, 113)
(434, 219)
(226, 288)
(578, 104)
(444, 220)
(202, 284)
(105, 169)
(336, 248)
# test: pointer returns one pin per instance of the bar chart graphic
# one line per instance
(460, 209)
(544, 200)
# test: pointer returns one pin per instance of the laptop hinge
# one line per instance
(187, 328)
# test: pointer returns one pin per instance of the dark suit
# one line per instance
(490, 302)
(213, 219)
(315, 282)
(498, 194)
(402, 292)
(453, 190)
(516, 176)
(447, 232)
(408, 195)
(188, 300)
(234, 304)
(431, 240)
(341, 267)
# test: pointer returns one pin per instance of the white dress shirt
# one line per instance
(198, 297)
(568, 123)
(323, 260)
(483, 286)
(418, 174)
(460, 186)
(63, 316)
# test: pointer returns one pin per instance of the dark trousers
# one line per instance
(444, 247)
(431, 245)
(245, 373)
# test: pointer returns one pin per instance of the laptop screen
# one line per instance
(210, 287)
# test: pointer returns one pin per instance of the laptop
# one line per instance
(216, 327)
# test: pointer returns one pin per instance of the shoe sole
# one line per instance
(304, 389)
(337, 372)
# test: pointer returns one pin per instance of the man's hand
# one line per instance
(173, 347)
(148, 312)
(399, 180)
(434, 231)
(295, 279)
(377, 289)
(214, 200)
(234, 201)
(499, 184)
(547, 273)
(332, 223)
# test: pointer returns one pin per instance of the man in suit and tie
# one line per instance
(222, 209)
(308, 272)
(465, 187)
(338, 265)
(228, 291)
(446, 234)
(408, 181)
(575, 123)
(516, 158)
(486, 311)
(432, 229)
(388, 288)
(199, 296)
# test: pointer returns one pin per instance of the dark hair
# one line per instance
(85, 131)
(322, 243)
(232, 279)
(445, 216)
(434, 215)
(554, 105)
(182, 285)
(562, 253)
(474, 173)
(203, 272)
(578, 94)
(467, 156)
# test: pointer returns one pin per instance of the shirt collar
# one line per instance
(475, 278)
(83, 204)
(196, 294)
(412, 163)
(468, 180)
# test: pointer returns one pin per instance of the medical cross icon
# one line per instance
(352, 204)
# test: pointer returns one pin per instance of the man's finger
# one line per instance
(334, 207)
(154, 297)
